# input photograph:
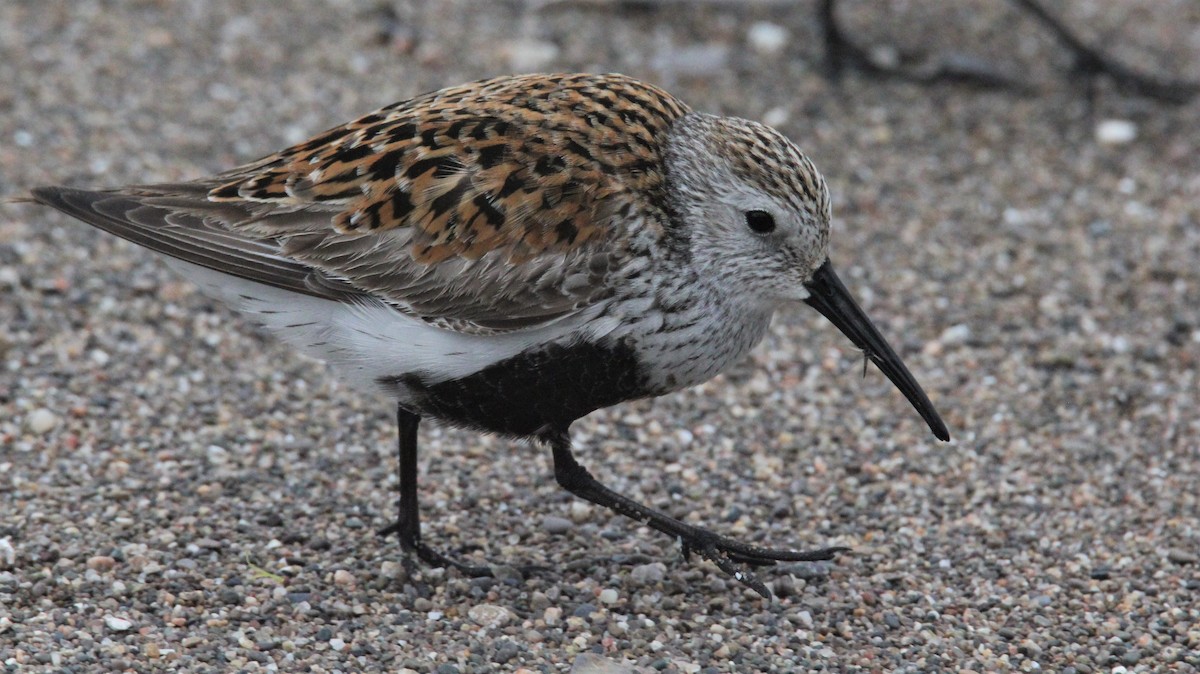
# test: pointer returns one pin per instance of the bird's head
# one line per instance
(757, 213)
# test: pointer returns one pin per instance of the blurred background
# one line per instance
(179, 492)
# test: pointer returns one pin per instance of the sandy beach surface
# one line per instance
(179, 492)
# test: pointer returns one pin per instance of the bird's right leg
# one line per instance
(732, 557)
(408, 524)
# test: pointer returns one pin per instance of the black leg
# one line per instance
(408, 524)
(731, 556)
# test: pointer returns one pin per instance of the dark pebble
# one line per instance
(505, 653)
(556, 525)
(584, 610)
(271, 519)
(807, 570)
(324, 634)
(447, 668)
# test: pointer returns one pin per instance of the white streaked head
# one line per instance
(755, 208)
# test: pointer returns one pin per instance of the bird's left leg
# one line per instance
(408, 524)
(729, 555)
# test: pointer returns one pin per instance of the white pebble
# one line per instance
(117, 624)
(955, 334)
(777, 116)
(766, 37)
(8, 555)
(806, 619)
(295, 134)
(691, 61)
(489, 615)
(580, 512)
(1116, 132)
(608, 596)
(530, 55)
(648, 574)
(337, 644)
(592, 663)
(390, 569)
(216, 454)
(41, 420)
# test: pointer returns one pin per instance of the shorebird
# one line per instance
(513, 254)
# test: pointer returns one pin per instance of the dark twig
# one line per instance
(841, 53)
(1092, 63)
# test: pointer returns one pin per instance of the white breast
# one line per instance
(690, 332)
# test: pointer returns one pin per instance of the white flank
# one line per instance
(365, 341)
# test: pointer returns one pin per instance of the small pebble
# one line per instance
(584, 610)
(343, 578)
(648, 574)
(556, 525)
(1116, 132)
(1180, 556)
(117, 624)
(955, 334)
(489, 615)
(8, 555)
(529, 55)
(580, 512)
(767, 38)
(608, 596)
(101, 563)
(592, 663)
(391, 570)
(41, 421)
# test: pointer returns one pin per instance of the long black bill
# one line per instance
(828, 296)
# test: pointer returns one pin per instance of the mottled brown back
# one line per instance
(525, 164)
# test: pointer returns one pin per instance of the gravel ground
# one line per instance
(181, 493)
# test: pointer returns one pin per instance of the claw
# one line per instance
(413, 545)
(736, 559)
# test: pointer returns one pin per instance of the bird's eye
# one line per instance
(760, 222)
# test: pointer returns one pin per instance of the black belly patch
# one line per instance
(532, 391)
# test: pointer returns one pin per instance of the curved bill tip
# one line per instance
(828, 296)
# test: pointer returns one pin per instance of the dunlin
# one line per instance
(513, 254)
